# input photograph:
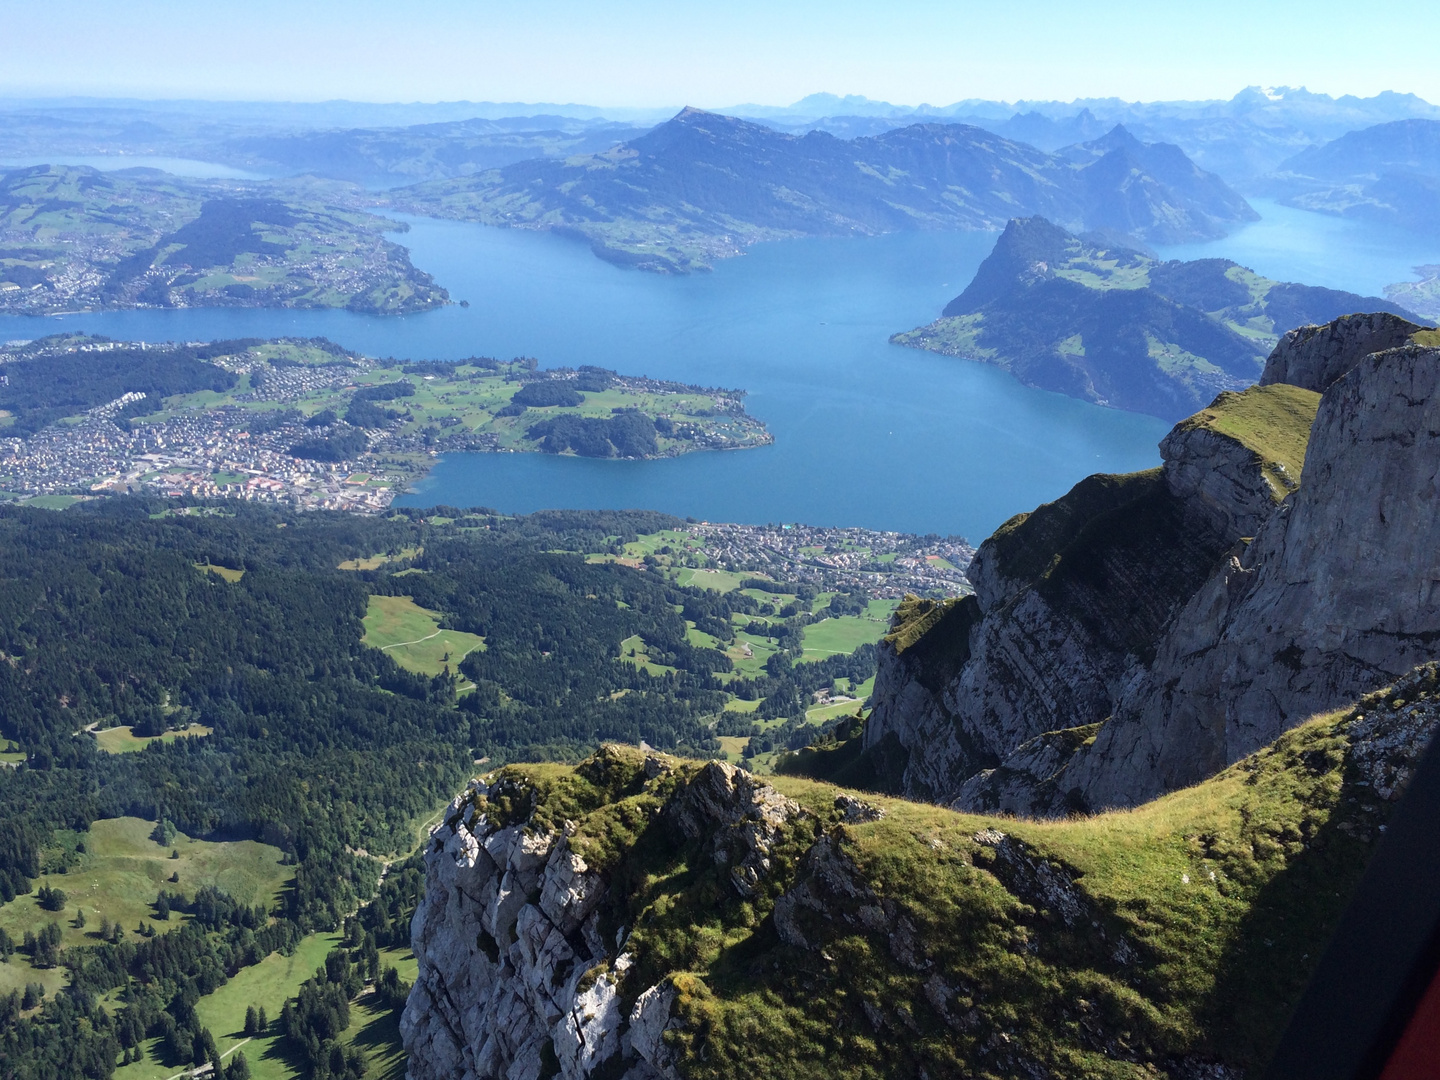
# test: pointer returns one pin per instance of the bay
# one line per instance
(866, 433)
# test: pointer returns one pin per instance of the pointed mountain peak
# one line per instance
(1118, 138)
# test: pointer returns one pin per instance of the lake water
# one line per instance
(205, 170)
(866, 433)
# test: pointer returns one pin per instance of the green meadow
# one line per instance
(122, 740)
(411, 634)
(117, 876)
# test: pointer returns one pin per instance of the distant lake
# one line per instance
(866, 433)
(207, 170)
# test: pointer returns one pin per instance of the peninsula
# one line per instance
(79, 239)
(310, 424)
(1097, 320)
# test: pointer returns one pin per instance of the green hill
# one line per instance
(78, 238)
(1087, 317)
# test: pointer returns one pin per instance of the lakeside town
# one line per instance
(880, 565)
(296, 421)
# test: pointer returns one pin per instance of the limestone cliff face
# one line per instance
(518, 977)
(1315, 356)
(1214, 643)
(1071, 599)
(1336, 596)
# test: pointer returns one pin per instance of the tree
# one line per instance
(79, 918)
(239, 1068)
(262, 1022)
(51, 899)
(252, 1021)
(162, 907)
(34, 994)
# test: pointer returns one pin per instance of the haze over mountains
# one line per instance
(1241, 139)
(703, 186)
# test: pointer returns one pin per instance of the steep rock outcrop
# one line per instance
(1315, 356)
(884, 937)
(520, 977)
(1071, 598)
(1337, 594)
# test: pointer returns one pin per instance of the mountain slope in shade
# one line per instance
(704, 186)
(1084, 317)
(1389, 173)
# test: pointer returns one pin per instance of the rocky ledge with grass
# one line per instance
(640, 916)
(1131, 637)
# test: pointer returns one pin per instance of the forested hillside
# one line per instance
(125, 623)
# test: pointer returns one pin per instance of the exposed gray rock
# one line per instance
(857, 811)
(1315, 356)
(1390, 730)
(515, 977)
(1050, 646)
(1220, 479)
(829, 887)
(744, 818)
(1030, 780)
(1336, 596)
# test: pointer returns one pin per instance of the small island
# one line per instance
(308, 423)
(77, 239)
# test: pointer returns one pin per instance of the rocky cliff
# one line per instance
(1120, 646)
(1071, 598)
(1336, 595)
(527, 969)
(639, 917)
(1315, 356)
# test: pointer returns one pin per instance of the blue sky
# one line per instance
(651, 53)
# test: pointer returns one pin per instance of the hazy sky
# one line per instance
(651, 53)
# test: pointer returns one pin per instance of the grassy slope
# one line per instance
(1225, 894)
(266, 984)
(412, 635)
(118, 878)
(845, 634)
(1273, 421)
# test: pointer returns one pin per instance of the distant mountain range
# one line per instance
(703, 186)
(1389, 173)
(1117, 327)
(1242, 139)
(388, 156)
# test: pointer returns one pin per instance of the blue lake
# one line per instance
(866, 433)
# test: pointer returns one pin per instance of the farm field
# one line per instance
(118, 876)
(719, 580)
(633, 650)
(412, 635)
(848, 632)
(374, 562)
(225, 572)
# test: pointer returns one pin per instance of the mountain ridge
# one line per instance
(704, 186)
(644, 916)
